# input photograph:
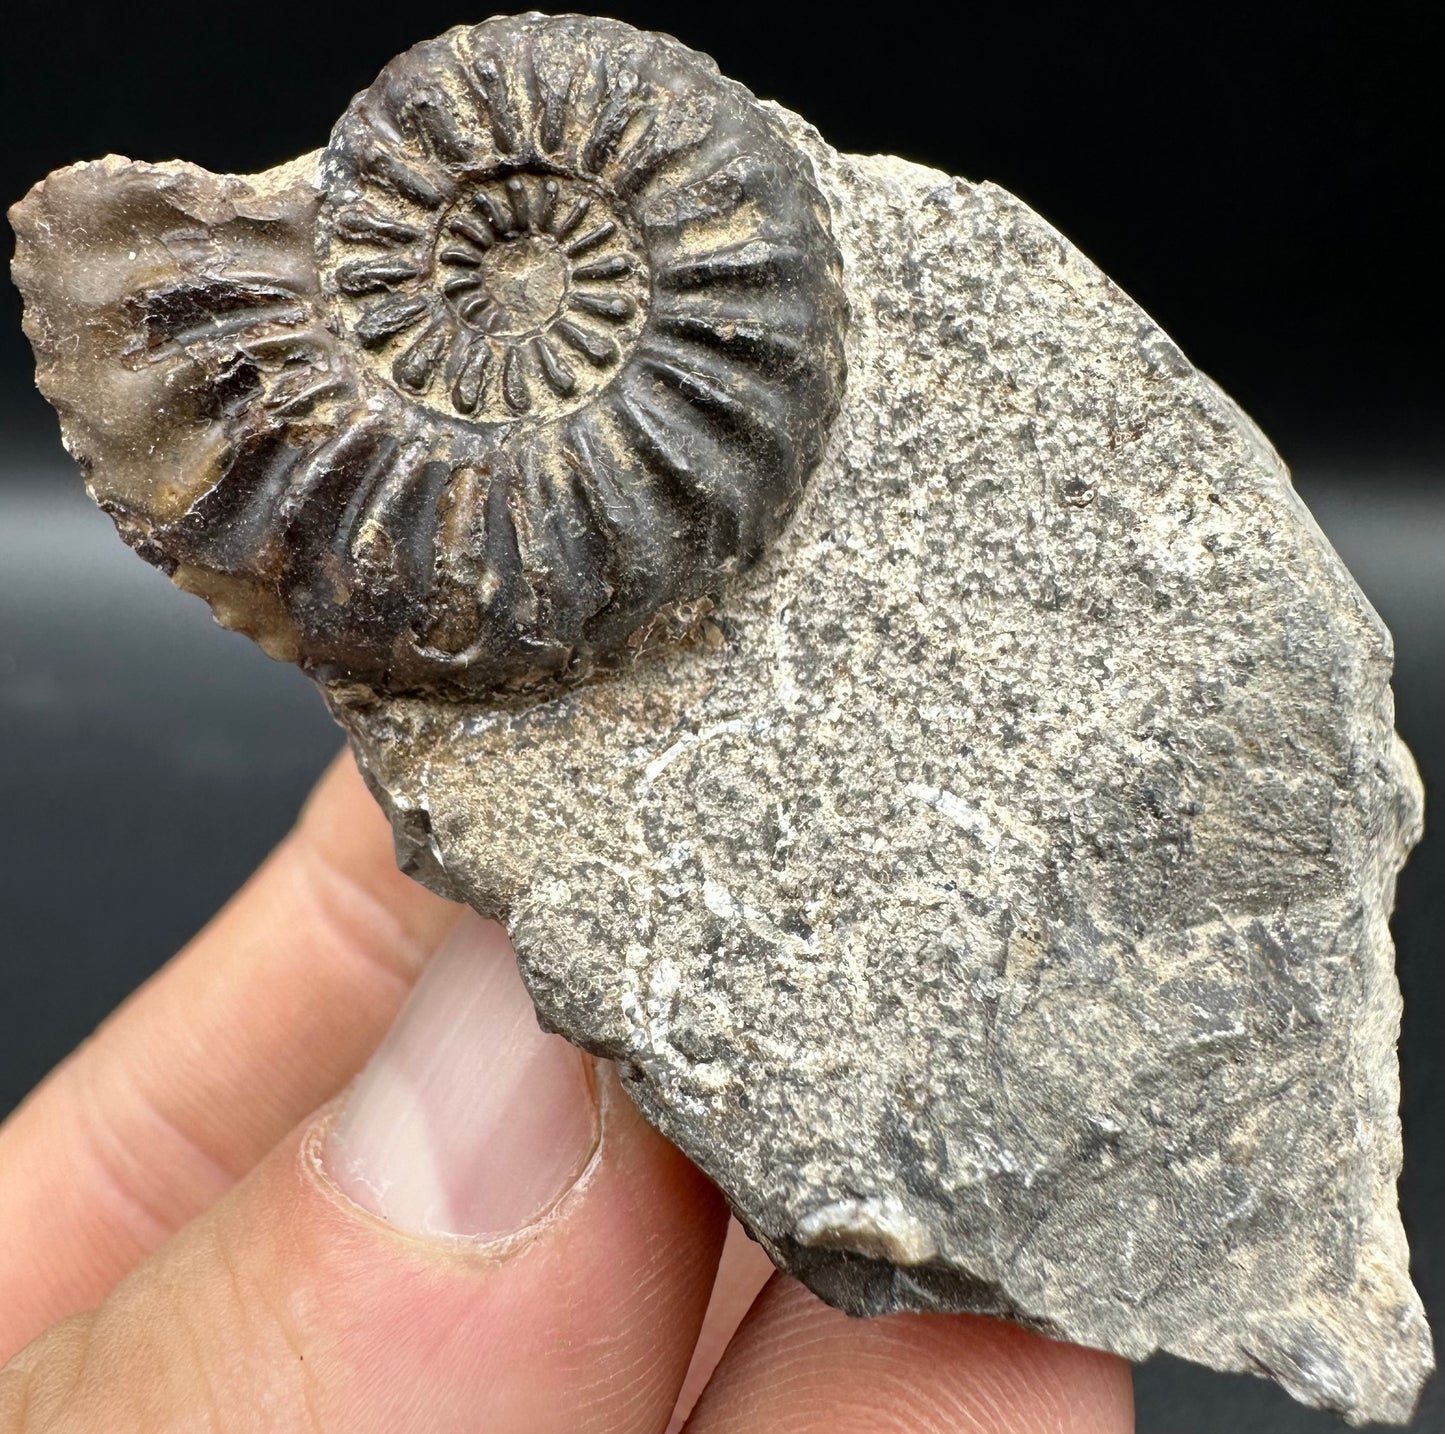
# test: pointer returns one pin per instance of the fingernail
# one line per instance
(468, 1121)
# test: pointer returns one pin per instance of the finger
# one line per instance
(260, 1019)
(538, 1259)
(798, 1367)
(742, 1272)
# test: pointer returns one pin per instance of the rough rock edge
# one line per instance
(420, 854)
(911, 1283)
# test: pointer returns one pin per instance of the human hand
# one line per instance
(481, 1235)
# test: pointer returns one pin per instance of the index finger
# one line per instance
(798, 1367)
(258, 1021)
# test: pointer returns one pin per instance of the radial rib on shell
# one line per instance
(521, 369)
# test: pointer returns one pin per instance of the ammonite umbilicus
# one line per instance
(998, 916)
(543, 348)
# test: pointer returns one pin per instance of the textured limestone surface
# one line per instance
(996, 905)
(981, 867)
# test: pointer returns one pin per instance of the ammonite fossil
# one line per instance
(998, 916)
(538, 354)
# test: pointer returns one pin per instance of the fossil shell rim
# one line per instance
(537, 359)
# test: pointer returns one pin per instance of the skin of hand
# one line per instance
(207, 1224)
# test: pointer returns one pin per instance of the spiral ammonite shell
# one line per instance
(563, 345)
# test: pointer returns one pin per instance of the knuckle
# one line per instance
(345, 915)
(41, 1386)
(148, 1171)
(15, 1390)
(260, 1328)
(194, 1341)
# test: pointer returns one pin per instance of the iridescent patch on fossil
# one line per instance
(525, 366)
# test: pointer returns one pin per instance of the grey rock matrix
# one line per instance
(996, 908)
(970, 821)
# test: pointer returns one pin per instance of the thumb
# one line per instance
(485, 1236)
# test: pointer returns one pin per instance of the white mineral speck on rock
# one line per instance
(1010, 888)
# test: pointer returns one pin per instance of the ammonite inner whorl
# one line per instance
(547, 344)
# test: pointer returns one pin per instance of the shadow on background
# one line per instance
(1255, 175)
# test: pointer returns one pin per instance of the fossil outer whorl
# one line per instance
(999, 916)
(536, 357)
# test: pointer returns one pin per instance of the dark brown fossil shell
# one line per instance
(544, 346)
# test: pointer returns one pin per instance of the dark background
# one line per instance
(1260, 177)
